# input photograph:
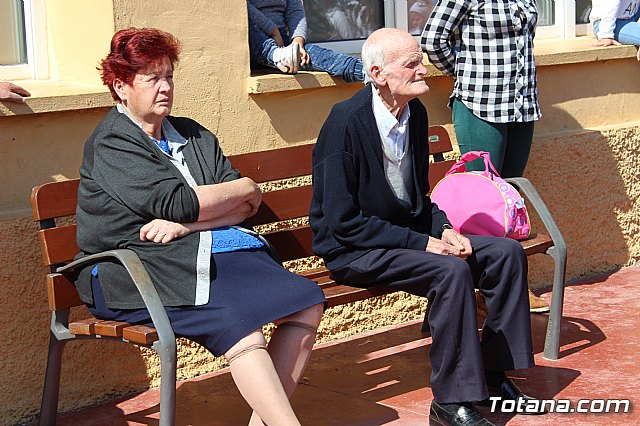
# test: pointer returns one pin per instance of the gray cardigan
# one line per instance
(125, 182)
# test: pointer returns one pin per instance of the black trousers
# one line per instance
(498, 267)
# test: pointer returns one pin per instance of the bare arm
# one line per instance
(221, 199)
(222, 204)
(164, 231)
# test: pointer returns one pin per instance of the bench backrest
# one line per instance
(291, 203)
(54, 203)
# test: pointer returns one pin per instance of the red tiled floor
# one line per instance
(380, 377)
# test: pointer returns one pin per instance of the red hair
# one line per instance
(134, 50)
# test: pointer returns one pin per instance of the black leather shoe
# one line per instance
(506, 390)
(456, 415)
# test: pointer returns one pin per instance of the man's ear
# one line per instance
(378, 77)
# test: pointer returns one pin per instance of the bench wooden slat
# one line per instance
(537, 243)
(55, 199)
(62, 293)
(140, 334)
(110, 328)
(324, 281)
(85, 327)
(439, 141)
(292, 244)
(275, 164)
(313, 274)
(342, 294)
(58, 244)
(283, 204)
(438, 170)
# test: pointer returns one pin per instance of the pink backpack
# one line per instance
(481, 203)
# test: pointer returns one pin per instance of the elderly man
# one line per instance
(374, 224)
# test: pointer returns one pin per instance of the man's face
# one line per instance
(404, 72)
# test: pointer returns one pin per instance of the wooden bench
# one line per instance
(53, 203)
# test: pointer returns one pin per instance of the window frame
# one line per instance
(37, 66)
(396, 16)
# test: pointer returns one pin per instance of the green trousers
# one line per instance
(508, 143)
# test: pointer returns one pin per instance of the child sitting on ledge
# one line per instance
(277, 33)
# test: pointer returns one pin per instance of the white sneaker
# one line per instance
(287, 59)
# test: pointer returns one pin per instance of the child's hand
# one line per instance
(304, 56)
(275, 34)
(606, 42)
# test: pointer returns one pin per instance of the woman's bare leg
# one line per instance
(258, 382)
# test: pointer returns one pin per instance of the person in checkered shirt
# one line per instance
(487, 47)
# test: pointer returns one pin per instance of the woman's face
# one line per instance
(149, 98)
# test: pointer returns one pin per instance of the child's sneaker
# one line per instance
(287, 59)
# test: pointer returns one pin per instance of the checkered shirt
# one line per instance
(487, 46)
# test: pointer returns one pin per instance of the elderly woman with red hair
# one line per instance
(161, 186)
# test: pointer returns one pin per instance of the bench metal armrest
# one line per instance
(130, 260)
(524, 186)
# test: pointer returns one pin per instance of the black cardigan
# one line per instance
(125, 182)
(353, 209)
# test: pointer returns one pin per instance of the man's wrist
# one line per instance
(442, 229)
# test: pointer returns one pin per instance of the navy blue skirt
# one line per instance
(248, 290)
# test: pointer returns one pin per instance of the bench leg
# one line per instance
(167, 353)
(49, 404)
(552, 339)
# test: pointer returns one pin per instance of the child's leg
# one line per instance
(261, 47)
(337, 64)
(627, 31)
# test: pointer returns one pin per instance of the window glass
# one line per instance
(13, 46)
(337, 20)
(583, 9)
(546, 12)
(418, 11)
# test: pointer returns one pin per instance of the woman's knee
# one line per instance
(310, 316)
(249, 343)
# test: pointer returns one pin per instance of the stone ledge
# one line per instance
(549, 52)
(48, 96)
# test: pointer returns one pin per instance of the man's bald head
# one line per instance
(381, 46)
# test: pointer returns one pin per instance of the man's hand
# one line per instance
(304, 56)
(275, 34)
(451, 244)
(606, 42)
(459, 241)
(12, 92)
(162, 231)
